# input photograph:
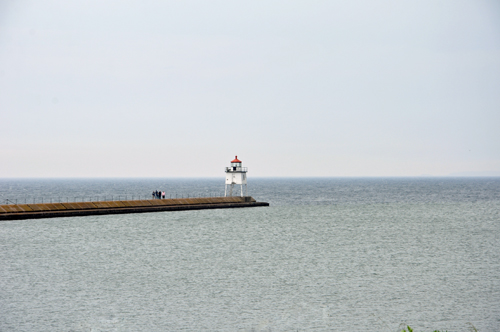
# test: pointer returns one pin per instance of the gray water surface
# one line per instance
(330, 255)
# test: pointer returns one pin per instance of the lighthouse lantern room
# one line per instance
(235, 174)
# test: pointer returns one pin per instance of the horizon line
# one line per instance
(255, 177)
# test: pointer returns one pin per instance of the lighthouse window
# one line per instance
(234, 168)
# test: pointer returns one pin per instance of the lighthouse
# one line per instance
(235, 174)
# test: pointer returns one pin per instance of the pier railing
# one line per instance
(101, 198)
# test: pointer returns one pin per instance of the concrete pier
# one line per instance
(74, 209)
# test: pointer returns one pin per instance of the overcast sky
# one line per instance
(294, 88)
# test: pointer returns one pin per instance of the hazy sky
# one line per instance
(294, 88)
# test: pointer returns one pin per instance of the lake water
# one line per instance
(327, 255)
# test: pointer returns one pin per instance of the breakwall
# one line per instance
(73, 209)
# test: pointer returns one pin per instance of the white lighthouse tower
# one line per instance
(235, 174)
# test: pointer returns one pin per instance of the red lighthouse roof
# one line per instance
(236, 160)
